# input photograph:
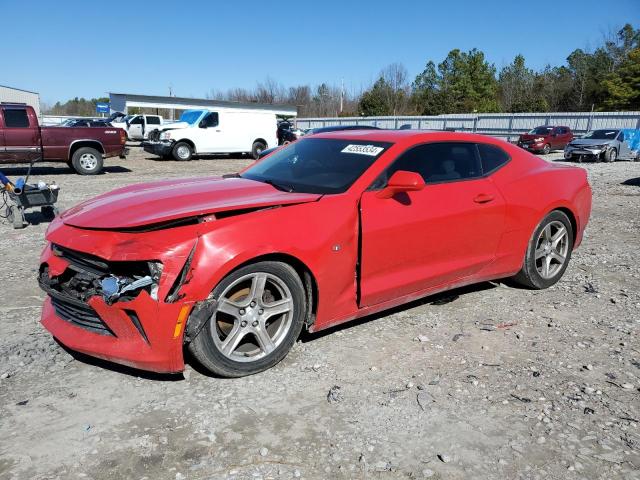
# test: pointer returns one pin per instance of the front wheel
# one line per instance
(546, 149)
(260, 312)
(87, 161)
(182, 151)
(257, 148)
(548, 252)
(610, 155)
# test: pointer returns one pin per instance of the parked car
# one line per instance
(288, 133)
(208, 132)
(85, 122)
(22, 139)
(338, 128)
(138, 127)
(324, 230)
(606, 145)
(545, 138)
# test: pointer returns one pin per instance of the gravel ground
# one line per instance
(485, 382)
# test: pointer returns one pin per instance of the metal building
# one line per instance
(17, 95)
(120, 102)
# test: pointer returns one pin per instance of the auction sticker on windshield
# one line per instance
(370, 150)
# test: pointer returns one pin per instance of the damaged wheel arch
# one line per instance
(204, 310)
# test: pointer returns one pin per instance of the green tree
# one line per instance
(463, 82)
(517, 88)
(622, 87)
(375, 102)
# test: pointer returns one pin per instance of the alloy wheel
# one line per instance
(88, 161)
(552, 247)
(183, 152)
(253, 317)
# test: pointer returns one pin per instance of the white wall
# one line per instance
(8, 94)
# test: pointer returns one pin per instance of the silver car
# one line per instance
(606, 145)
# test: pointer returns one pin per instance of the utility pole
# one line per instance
(171, 95)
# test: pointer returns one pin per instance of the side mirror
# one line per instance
(402, 181)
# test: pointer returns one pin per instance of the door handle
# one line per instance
(483, 198)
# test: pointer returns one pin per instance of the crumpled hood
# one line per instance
(157, 202)
(590, 141)
(174, 126)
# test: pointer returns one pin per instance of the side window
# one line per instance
(621, 136)
(16, 118)
(136, 121)
(153, 120)
(440, 162)
(210, 120)
(492, 157)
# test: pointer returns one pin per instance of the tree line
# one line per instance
(605, 78)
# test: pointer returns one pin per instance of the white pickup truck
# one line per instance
(225, 130)
(138, 127)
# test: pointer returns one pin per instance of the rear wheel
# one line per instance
(257, 148)
(260, 313)
(87, 161)
(548, 252)
(546, 149)
(182, 151)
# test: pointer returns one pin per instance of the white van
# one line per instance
(223, 130)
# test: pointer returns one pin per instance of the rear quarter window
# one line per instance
(16, 118)
(492, 158)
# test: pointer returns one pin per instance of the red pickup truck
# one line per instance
(22, 139)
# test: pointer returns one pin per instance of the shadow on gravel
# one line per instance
(202, 157)
(114, 367)
(633, 182)
(61, 170)
(438, 299)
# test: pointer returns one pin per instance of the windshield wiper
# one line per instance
(280, 186)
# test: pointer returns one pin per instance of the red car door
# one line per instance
(21, 134)
(435, 236)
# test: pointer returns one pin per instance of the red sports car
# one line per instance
(327, 229)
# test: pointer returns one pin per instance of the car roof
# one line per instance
(395, 136)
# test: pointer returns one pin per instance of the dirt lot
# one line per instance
(488, 382)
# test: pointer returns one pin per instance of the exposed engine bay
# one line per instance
(88, 276)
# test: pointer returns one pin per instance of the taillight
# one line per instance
(123, 137)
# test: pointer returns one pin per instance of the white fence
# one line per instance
(496, 124)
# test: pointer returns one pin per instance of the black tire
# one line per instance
(15, 215)
(182, 151)
(257, 148)
(87, 161)
(610, 155)
(546, 149)
(208, 354)
(529, 276)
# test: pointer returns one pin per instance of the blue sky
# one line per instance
(64, 49)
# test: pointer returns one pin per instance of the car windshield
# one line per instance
(317, 165)
(540, 131)
(602, 134)
(190, 116)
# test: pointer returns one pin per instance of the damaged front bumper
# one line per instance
(160, 148)
(124, 311)
(570, 152)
